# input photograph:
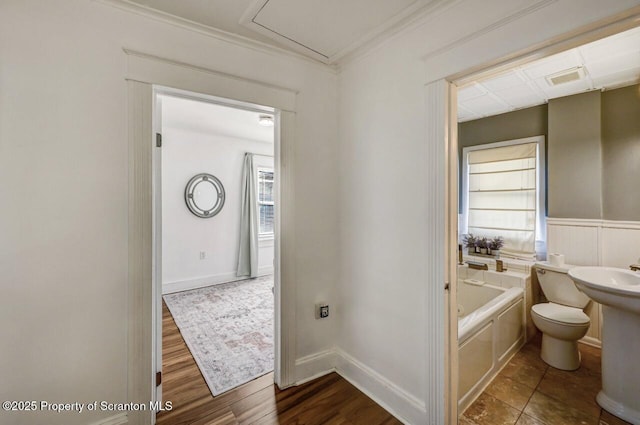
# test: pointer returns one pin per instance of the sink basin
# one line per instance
(609, 286)
(618, 291)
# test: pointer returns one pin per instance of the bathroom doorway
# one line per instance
(497, 116)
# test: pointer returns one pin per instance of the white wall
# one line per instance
(64, 192)
(189, 149)
(383, 168)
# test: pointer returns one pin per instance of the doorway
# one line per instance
(577, 75)
(216, 228)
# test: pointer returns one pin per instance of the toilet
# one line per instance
(562, 320)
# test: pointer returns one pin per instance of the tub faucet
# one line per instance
(477, 265)
(635, 267)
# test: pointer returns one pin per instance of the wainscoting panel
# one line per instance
(621, 246)
(577, 240)
(594, 243)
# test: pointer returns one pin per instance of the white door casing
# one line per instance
(144, 299)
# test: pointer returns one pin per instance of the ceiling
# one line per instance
(211, 118)
(608, 63)
(325, 30)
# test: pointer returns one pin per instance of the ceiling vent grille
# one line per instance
(566, 76)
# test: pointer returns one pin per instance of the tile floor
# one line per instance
(529, 392)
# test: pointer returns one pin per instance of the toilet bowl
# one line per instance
(561, 328)
(562, 320)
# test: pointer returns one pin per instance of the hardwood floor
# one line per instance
(326, 400)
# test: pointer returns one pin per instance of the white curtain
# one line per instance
(248, 251)
(503, 195)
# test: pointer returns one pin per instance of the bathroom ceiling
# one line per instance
(211, 118)
(325, 30)
(608, 63)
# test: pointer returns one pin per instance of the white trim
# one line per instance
(404, 406)
(438, 255)
(119, 419)
(210, 31)
(285, 251)
(140, 294)
(488, 28)
(143, 71)
(614, 224)
(265, 169)
(315, 365)
(581, 222)
(591, 341)
(578, 222)
(584, 34)
(212, 280)
(181, 77)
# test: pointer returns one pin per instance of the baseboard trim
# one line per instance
(119, 419)
(591, 341)
(315, 365)
(404, 406)
(201, 282)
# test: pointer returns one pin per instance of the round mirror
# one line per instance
(204, 195)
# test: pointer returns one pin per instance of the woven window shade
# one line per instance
(502, 195)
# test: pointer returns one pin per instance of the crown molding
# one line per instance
(371, 43)
(209, 31)
(487, 29)
(408, 20)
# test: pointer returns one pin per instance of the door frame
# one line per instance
(157, 208)
(442, 139)
(144, 74)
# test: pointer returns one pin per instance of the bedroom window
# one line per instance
(265, 202)
(504, 193)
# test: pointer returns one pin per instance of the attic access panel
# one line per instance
(328, 29)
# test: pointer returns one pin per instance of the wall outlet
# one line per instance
(322, 310)
(203, 254)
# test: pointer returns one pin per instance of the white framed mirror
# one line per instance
(204, 195)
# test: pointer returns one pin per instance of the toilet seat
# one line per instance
(561, 314)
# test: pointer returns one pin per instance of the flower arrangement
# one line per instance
(483, 245)
(496, 243)
(470, 241)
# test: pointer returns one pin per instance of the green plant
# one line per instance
(482, 243)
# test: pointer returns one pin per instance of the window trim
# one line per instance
(541, 173)
(263, 236)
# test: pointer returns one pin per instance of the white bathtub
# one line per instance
(491, 328)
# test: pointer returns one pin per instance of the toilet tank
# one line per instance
(558, 287)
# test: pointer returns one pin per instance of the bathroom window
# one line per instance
(265, 203)
(504, 193)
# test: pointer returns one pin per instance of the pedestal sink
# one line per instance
(618, 291)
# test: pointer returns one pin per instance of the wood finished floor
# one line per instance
(327, 400)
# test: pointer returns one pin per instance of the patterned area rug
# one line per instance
(229, 330)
